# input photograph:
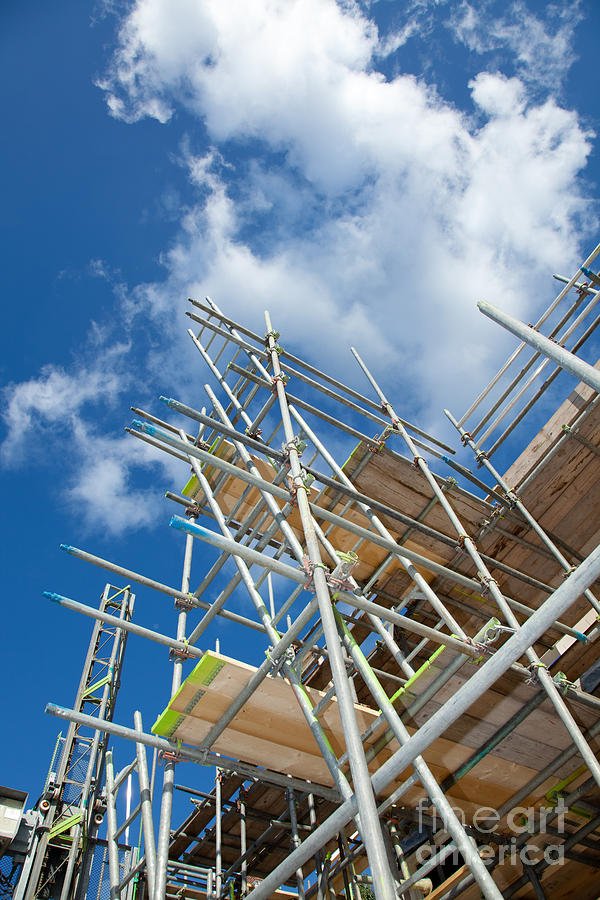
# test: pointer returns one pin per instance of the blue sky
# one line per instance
(366, 171)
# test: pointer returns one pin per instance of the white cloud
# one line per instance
(370, 211)
(41, 406)
(544, 48)
(359, 208)
(65, 413)
(103, 488)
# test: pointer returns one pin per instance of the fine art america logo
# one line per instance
(524, 823)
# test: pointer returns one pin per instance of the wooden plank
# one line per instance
(572, 407)
(271, 731)
(450, 882)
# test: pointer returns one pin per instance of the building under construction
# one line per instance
(425, 720)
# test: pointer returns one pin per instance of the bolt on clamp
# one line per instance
(185, 603)
(181, 652)
(171, 755)
(279, 377)
(341, 577)
(486, 581)
(534, 670)
(296, 444)
(309, 569)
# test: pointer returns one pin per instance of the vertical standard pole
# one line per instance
(436, 795)
(553, 608)
(218, 810)
(242, 808)
(111, 829)
(146, 801)
(370, 827)
(294, 839)
(166, 806)
(312, 817)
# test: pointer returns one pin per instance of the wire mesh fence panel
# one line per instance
(99, 884)
(10, 869)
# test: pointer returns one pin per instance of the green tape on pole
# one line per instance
(426, 665)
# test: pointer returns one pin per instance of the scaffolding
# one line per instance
(424, 643)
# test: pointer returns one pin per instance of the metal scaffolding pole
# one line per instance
(146, 802)
(436, 795)
(516, 645)
(257, 495)
(164, 824)
(539, 669)
(369, 822)
(527, 333)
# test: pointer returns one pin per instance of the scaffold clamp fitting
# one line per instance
(465, 437)
(486, 582)
(303, 480)
(480, 455)
(534, 671)
(483, 649)
(341, 577)
(173, 756)
(296, 444)
(282, 377)
(460, 541)
(287, 657)
(494, 630)
(562, 683)
(271, 334)
(376, 445)
(181, 652)
(309, 569)
(570, 571)
(185, 603)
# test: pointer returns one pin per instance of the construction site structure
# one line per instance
(424, 722)
(48, 854)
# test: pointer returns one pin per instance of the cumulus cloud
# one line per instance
(543, 47)
(360, 208)
(42, 406)
(103, 487)
(65, 412)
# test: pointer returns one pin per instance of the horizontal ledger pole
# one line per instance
(191, 754)
(567, 360)
(587, 572)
